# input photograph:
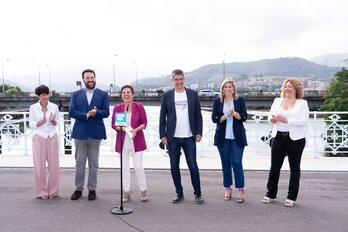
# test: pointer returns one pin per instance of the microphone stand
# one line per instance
(121, 210)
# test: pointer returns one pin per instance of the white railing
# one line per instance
(326, 133)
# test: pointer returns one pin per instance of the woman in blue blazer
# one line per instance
(229, 113)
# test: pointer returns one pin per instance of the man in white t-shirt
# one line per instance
(180, 127)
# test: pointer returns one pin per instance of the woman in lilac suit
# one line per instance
(133, 140)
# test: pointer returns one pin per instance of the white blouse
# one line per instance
(36, 114)
(128, 142)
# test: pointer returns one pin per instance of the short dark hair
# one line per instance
(42, 89)
(88, 70)
(127, 86)
(177, 72)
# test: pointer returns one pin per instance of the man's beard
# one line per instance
(88, 86)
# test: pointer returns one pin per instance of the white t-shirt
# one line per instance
(128, 142)
(287, 113)
(183, 129)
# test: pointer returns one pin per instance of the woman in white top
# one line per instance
(133, 141)
(43, 119)
(289, 115)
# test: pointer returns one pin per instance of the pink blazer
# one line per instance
(138, 118)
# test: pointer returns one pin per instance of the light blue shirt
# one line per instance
(89, 94)
(229, 121)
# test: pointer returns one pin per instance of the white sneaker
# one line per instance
(267, 200)
(289, 203)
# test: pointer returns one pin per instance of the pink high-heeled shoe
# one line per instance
(228, 194)
(240, 195)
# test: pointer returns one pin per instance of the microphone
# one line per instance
(127, 108)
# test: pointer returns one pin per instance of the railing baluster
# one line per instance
(327, 133)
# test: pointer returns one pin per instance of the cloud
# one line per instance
(160, 35)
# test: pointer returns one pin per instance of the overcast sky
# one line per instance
(160, 35)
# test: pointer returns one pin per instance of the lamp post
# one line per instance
(79, 83)
(325, 67)
(3, 75)
(111, 87)
(223, 67)
(49, 76)
(113, 73)
(39, 75)
(136, 75)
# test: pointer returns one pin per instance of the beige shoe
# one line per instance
(126, 197)
(228, 194)
(240, 195)
(143, 196)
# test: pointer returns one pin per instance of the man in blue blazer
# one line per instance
(180, 126)
(88, 107)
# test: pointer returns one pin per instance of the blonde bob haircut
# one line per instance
(222, 94)
(297, 86)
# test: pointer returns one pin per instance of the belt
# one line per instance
(284, 133)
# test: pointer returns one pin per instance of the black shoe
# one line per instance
(199, 199)
(179, 197)
(76, 195)
(92, 195)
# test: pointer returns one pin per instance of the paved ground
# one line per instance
(322, 204)
(250, 162)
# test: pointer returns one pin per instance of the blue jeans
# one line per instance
(231, 158)
(189, 147)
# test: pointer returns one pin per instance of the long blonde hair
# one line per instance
(297, 86)
(222, 94)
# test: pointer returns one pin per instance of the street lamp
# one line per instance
(3, 76)
(39, 75)
(136, 75)
(223, 67)
(79, 83)
(49, 75)
(325, 67)
(113, 68)
(111, 87)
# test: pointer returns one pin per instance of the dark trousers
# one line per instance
(282, 145)
(189, 147)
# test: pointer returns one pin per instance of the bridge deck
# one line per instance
(252, 101)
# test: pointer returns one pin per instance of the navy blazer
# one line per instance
(93, 127)
(238, 127)
(167, 122)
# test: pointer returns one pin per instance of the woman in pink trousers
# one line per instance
(43, 120)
